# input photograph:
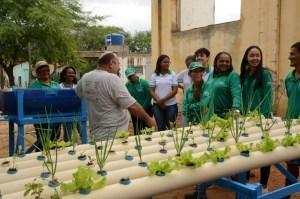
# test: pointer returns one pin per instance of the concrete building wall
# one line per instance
(270, 24)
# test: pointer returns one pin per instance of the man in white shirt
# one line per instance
(108, 99)
(202, 55)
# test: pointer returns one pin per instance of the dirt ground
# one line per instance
(276, 179)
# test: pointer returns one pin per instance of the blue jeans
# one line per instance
(163, 117)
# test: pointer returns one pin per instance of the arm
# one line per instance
(147, 101)
(266, 106)
(137, 111)
(235, 90)
(79, 89)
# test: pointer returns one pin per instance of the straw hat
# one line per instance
(40, 64)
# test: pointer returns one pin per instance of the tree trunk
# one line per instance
(10, 73)
(1, 77)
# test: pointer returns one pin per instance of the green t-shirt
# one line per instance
(140, 91)
(196, 110)
(260, 98)
(292, 86)
(226, 92)
(39, 84)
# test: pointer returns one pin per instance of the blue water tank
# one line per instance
(114, 39)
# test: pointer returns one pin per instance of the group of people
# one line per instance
(208, 89)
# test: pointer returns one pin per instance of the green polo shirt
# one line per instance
(292, 86)
(39, 84)
(226, 92)
(141, 92)
(194, 109)
(260, 98)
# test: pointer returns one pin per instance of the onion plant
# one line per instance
(179, 138)
(237, 126)
(102, 152)
(50, 162)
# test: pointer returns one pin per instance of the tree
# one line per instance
(45, 28)
(141, 42)
(93, 37)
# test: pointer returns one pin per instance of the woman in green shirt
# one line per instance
(225, 86)
(256, 83)
(197, 98)
(257, 93)
(139, 89)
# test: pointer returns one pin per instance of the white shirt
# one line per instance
(163, 85)
(183, 77)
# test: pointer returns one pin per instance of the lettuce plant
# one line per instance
(187, 159)
(161, 167)
(148, 132)
(217, 155)
(288, 122)
(84, 181)
(267, 144)
(244, 148)
(288, 140)
(123, 135)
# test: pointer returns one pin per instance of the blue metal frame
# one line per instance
(254, 191)
(22, 119)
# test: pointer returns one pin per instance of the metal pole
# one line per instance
(29, 63)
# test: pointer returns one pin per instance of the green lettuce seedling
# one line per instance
(288, 140)
(161, 167)
(84, 180)
(244, 148)
(217, 155)
(267, 144)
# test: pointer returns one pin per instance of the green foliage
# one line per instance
(84, 178)
(288, 140)
(148, 131)
(297, 138)
(267, 144)
(179, 138)
(102, 151)
(140, 42)
(237, 126)
(122, 134)
(35, 188)
(244, 147)
(59, 144)
(161, 166)
(222, 135)
(186, 159)
(217, 155)
(45, 28)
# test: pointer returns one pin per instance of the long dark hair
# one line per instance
(64, 72)
(216, 71)
(258, 72)
(158, 63)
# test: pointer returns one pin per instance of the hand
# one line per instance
(152, 123)
(161, 104)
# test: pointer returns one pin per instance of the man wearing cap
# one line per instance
(42, 71)
(139, 90)
(108, 99)
(196, 101)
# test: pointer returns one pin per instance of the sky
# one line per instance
(135, 15)
(131, 15)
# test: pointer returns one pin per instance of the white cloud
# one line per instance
(228, 10)
(131, 15)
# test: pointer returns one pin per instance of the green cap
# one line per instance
(129, 71)
(195, 65)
